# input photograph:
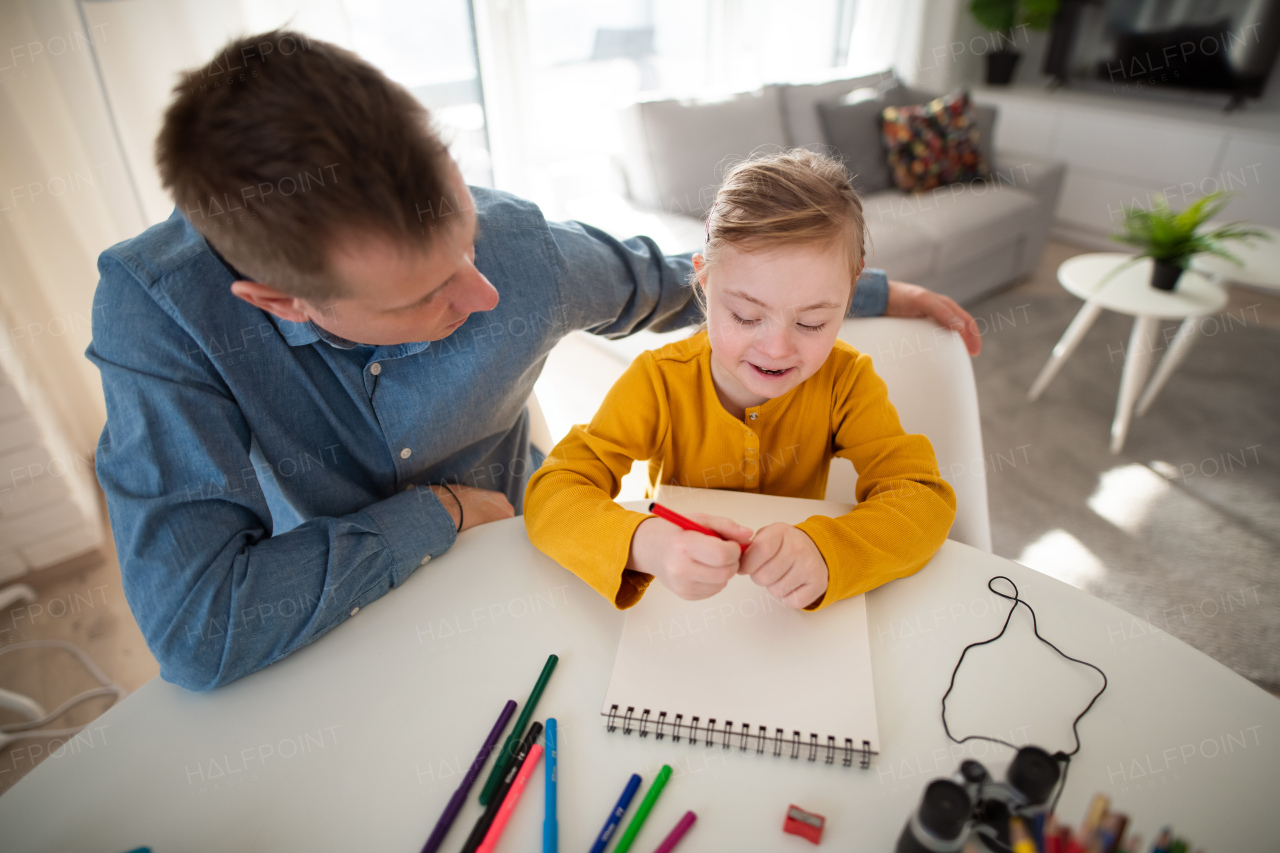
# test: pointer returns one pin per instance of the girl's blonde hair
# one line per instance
(787, 198)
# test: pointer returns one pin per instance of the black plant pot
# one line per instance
(1165, 275)
(1000, 65)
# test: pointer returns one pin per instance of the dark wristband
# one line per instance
(460, 509)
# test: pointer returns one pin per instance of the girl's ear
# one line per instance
(700, 268)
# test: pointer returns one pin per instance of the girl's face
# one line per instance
(772, 317)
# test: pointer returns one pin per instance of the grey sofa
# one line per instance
(966, 240)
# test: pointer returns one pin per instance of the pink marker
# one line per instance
(511, 800)
(669, 843)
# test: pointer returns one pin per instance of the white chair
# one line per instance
(931, 384)
(539, 432)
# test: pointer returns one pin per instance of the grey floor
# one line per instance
(1181, 528)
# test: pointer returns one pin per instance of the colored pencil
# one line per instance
(513, 739)
(512, 800)
(669, 843)
(460, 796)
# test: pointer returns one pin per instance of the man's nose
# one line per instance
(476, 294)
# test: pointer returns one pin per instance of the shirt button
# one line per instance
(751, 450)
(406, 453)
(375, 368)
(754, 415)
(425, 560)
(355, 610)
(751, 435)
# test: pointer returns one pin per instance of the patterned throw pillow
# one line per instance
(932, 145)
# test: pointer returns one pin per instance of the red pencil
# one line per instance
(680, 521)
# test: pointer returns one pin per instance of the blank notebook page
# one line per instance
(744, 657)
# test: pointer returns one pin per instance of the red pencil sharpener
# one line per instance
(805, 824)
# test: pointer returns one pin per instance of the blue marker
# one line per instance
(550, 828)
(615, 816)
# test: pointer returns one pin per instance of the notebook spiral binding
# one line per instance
(723, 732)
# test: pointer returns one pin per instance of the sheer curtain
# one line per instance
(83, 87)
(560, 71)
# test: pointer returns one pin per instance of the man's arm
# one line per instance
(216, 594)
(616, 287)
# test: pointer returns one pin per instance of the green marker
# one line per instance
(633, 828)
(513, 740)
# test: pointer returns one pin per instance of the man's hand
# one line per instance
(784, 560)
(480, 505)
(692, 565)
(912, 300)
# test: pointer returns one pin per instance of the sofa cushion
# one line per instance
(852, 127)
(894, 244)
(688, 145)
(932, 145)
(800, 106)
(967, 220)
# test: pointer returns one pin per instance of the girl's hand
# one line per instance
(784, 560)
(692, 565)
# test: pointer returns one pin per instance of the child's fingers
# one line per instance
(770, 574)
(802, 596)
(709, 551)
(726, 527)
(788, 581)
(764, 548)
(695, 581)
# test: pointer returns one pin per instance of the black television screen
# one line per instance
(1222, 46)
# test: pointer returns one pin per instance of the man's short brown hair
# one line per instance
(282, 143)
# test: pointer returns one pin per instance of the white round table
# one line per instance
(1093, 278)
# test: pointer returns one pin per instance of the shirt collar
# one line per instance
(304, 334)
(297, 334)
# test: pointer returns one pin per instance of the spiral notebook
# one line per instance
(742, 671)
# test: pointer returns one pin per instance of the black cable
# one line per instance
(1064, 757)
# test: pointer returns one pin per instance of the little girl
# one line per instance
(757, 402)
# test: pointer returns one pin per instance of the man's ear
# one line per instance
(270, 300)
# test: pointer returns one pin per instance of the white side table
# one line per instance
(1130, 292)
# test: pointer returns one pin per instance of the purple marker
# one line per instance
(460, 796)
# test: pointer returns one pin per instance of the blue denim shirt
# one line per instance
(262, 476)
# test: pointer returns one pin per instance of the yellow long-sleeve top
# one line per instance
(664, 409)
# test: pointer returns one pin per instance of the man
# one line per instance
(316, 370)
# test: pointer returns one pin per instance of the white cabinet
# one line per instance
(1123, 152)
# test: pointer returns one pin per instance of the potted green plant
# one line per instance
(1001, 17)
(1171, 238)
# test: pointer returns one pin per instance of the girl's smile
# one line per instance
(772, 317)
